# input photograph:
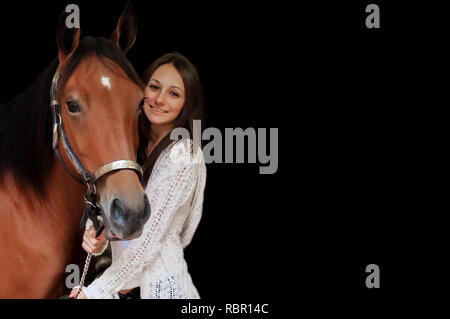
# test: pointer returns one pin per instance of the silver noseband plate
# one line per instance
(118, 165)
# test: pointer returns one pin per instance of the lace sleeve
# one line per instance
(167, 194)
(191, 223)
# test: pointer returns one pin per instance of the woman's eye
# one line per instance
(175, 94)
(73, 107)
(153, 87)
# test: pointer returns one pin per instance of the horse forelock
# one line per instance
(106, 51)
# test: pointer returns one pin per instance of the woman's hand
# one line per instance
(74, 291)
(91, 244)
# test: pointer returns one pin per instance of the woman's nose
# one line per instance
(159, 99)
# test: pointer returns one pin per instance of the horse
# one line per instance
(79, 115)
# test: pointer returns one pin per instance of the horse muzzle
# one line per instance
(125, 222)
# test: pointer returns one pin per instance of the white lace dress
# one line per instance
(155, 261)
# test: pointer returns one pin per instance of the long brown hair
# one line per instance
(193, 109)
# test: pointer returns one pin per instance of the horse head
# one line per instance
(99, 97)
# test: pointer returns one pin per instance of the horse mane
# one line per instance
(26, 122)
(26, 135)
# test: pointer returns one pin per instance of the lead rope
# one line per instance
(83, 276)
(90, 211)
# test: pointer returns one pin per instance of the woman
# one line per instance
(174, 179)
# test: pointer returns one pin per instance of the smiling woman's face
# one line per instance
(164, 95)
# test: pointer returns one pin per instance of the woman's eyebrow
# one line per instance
(176, 87)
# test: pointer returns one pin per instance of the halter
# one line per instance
(92, 209)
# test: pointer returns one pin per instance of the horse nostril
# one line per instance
(118, 212)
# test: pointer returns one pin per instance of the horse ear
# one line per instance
(67, 38)
(124, 35)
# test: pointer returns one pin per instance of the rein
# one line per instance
(92, 209)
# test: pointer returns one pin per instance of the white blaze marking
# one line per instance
(105, 82)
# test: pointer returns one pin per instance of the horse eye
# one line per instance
(73, 107)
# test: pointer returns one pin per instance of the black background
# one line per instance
(362, 116)
(371, 137)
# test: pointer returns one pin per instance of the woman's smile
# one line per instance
(157, 110)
